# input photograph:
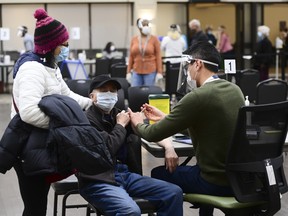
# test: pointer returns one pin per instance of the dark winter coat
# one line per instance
(70, 143)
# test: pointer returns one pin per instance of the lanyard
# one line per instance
(142, 51)
(211, 79)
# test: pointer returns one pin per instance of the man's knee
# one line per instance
(158, 172)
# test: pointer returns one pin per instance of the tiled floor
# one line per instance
(10, 201)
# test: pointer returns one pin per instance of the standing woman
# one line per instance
(263, 58)
(145, 63)
(36, 75)
(224, 45)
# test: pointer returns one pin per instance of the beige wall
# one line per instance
(215, 15)
(14, 16)
(168, 14)
(274, 13)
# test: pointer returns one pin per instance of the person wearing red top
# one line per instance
(145, 63)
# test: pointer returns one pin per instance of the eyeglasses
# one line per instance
(66, 45)
(186, 65)
(190, 60)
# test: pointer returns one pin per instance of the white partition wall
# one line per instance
(73, 15)
(111, 22)
(171, 13)
(14, 16)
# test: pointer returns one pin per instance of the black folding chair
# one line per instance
(138, 95)
(254, 163)
(271, 91)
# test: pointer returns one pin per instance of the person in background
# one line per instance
(211, 37)
(112, 191)
(264, 52)
(28, 39)
(224, 45)
(284, 38)
(201, 112)
(109, 50)
(145, 63)
(173, 44)
(36, 75)
(196, 32)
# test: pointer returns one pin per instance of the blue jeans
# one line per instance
(117, 200)
(143, 79)
(189, 179)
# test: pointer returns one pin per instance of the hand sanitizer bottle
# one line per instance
(248, 114)
(247, 102)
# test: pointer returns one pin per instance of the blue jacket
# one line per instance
(70, 143)
(27, 56)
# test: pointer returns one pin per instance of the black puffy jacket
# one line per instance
(70, 143)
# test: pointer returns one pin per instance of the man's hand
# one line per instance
(123, 118)
(136, 118)
(152, 113)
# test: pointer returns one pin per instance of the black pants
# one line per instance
(34, 192)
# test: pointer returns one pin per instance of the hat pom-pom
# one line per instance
(40, 14)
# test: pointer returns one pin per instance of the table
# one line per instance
(91, 64)
(182, 150)
(5, 70)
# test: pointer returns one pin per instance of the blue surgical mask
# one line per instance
(106, 100)
(63, 54)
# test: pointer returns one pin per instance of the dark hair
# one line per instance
(107, 47)
(205, 51)
(137, 21)
(25, 29)
(49, 58)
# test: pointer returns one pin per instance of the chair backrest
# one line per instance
(102, 66)
(80, 86)
(118, 70)
(121, 100)
(271, 91)
(124, 84)
(247, 80)
(138, 95)
(255, 154)
(76, 69)
(171, 79)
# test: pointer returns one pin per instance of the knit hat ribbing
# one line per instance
(49, 32)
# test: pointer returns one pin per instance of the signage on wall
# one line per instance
(75, 33)
(4, 34)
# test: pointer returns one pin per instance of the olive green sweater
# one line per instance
(209, 113)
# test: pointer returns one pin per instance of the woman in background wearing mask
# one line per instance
(145, 63)
(109, 50)
(36, 75)
(264, 52)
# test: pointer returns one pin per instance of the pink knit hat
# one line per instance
(49, 33)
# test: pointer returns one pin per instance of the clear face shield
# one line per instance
(182, 87)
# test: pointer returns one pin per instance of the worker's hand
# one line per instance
(129, 77)
(171, 160)
(152, 113)
(158, 77)
(171, 157)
